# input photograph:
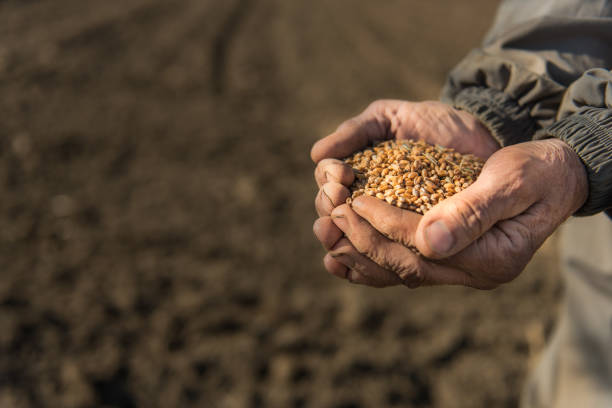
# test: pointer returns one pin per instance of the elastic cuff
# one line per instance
(508, 122)
(589, 133)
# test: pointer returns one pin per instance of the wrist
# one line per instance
(484, 141)
(587, 132)
(571, 168)
(508, 122)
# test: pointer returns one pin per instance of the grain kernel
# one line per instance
(411, 175)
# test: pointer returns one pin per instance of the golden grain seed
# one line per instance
(413, 175)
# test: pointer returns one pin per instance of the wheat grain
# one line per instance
(412, 175)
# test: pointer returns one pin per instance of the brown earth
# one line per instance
(156, 210)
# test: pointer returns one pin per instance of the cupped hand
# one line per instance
(480, 237)
(433, 122)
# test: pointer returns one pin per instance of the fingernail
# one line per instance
(352, 276)
(357, 203)
(340, 221)
(439, 238)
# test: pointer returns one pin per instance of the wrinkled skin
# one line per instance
(481, 237)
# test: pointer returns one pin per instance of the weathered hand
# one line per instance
(481, 237)
(433, 122)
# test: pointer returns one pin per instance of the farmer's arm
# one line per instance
(585, 124)
(515, 82)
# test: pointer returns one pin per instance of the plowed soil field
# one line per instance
(156, 204)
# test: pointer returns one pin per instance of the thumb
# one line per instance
(456, 222)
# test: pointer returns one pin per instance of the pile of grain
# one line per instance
(412, 175)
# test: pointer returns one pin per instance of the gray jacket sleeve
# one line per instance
(515, 82)
(534, 77)
(585, 123)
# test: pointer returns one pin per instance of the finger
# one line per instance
(412, 269)
(400, 226)
(334, 267)
(334, 170)
(456, 222)
(356, 133)
(361, 269)
(384, 252)
(330, 196)
(355, 277)
(327, 232)
(395, 223)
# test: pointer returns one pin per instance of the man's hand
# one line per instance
(433, 122)
(481, 237)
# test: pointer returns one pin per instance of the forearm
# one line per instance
(585, 123)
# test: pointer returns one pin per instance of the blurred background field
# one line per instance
(156, 203)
